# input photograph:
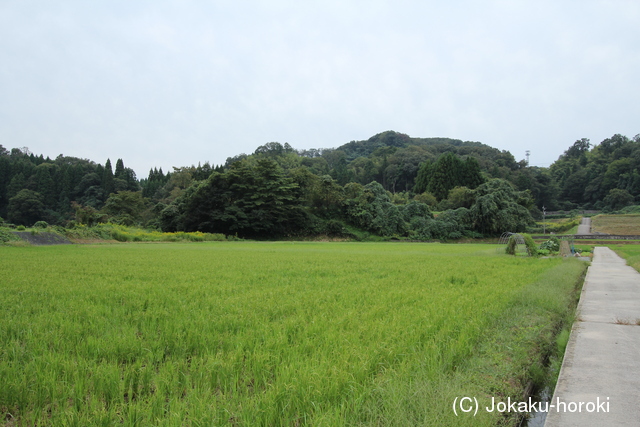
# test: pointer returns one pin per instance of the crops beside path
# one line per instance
(241, 333)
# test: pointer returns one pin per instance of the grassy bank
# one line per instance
(273, 333)
(113, 232)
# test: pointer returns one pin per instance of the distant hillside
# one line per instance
(391, 138)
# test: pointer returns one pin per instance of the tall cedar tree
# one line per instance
(107, 181)
(120, 172)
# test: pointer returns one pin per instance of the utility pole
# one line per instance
(528, 152)
(544, 219)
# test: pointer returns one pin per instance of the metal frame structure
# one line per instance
(521, 247)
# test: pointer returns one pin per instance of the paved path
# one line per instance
(584, 227)
(602, 360)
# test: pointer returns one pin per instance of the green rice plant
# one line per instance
(273, 333)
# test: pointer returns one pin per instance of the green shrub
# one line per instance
(193, 237)
(120, 236)
(455, 235)
(21, 228)
(216, 237)
(635, 209)
(552, 245)
(532, 248)
(333, 227)
(473, 234)
(512, 244)
(41, 224)
(7, 236)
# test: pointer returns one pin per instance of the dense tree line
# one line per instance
(604, 176)
(388, 185)
(36, 187)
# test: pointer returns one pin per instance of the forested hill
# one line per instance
(278, 190)
(393, 159)
(355, 149)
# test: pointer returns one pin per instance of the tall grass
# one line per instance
(557, 226)
(262, 334)
(123, 233)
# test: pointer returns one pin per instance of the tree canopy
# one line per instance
(253, 199)
(386, 185)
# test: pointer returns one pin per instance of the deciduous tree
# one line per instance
(125, 207)
(26, 208)
(499, 207)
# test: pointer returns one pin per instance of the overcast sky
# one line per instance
(174, 83)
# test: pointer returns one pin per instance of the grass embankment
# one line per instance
(273, 334)
(132, 234)
(625, 225)
(113, 232)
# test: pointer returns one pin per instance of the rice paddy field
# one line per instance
(274, 334)
(628, 224)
